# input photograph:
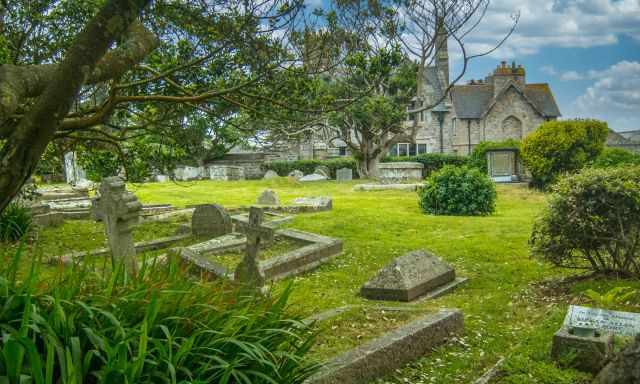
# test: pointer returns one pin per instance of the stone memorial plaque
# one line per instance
(616, 322)
(210, 220)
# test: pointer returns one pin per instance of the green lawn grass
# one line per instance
(505, 314)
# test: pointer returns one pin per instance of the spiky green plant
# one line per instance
(90, 325)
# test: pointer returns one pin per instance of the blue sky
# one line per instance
(587, 50)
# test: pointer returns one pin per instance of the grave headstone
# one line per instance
(72, 171)
(323, 170)
(296, 174)
(409, 277)
(120, 211)
(268, 197)
(210, 220)
(270, 175)
(587, 353)
(344, 174)
(248, 272)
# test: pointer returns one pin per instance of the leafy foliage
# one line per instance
(15, 221)
(458, 191)
(478, 157)
(159, 326)
(99, 163)
(592, 222)
(558, 147)
(283, 168)
(615, 157)
(431, 161)
(613, 298)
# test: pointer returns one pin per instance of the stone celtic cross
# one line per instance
(248, 272)
(120, 211)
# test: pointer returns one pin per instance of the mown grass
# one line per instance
(505, 313)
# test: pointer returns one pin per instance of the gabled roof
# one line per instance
(473, 101)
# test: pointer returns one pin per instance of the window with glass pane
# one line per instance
(403, 149)
(393, 151)
(422, 148)
(412, 149)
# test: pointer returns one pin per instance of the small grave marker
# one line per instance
(210, 220)
(268, 197)
(344, 174)
(248, 272)
(120, 211)
(616, 322)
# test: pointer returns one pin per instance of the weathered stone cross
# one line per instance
(248, 272)
(120, 211)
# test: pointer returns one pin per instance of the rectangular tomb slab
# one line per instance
(587, 353)
(397, 348)
(408, 277)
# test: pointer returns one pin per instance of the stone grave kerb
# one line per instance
(120, 210)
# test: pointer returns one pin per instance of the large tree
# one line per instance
(140, 68)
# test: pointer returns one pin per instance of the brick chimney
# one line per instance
(504, 74)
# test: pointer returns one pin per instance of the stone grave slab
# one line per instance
(408, 277)
(393, 350)
(344, 174)
(210, 220)
(268, 197)
(386, 187)
(313, 177)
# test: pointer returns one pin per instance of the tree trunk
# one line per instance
(26, 144)
(624, 368)
(368, 165)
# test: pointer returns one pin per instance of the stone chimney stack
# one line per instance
(505, 74)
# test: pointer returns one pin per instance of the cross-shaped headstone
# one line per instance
(248, 272)
(120, 211)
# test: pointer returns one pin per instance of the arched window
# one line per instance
(512, 128)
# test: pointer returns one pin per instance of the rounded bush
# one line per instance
(558, 147)
(592, 222)
(454, 190)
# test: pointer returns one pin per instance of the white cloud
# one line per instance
(549, 70)
(571, 76)
(559, 23)
(614, 96)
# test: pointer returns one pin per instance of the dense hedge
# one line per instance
(592, 222)
(478, 157)
(432, 161)
(615, 157)
(283, 168)
(558, 147)
(458, 191)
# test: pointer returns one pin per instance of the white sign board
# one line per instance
(616, 322)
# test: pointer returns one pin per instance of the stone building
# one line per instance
(502, 106)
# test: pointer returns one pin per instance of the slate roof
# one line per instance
(472, 101)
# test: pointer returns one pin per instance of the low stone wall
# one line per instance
(395, 349)
(226, 172)
(400, 172)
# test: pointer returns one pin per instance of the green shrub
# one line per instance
(592, 222)
(615, 157)
(160, 326)
(283, 168)
(478, 157)
(431, 161)
(15, 221)
(558, 147)
(98, 163)
(458, 191)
